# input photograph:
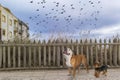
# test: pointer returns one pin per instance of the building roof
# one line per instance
(7, 9)
(23, 23)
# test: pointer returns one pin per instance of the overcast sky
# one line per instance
(76, 18)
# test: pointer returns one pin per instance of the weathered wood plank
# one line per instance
(9, 57)
(1, 56)
(119, 53)
(24, 55)
(34, 56)
(39, 55)
(45, 61)
(91, 54)
(96, 51)
(101, 53)
(115, 53)
(4, 57)
(54, 51)
(58, 56)
(30, 62)
(49, 56)
(105, 53)
(81, 46)
(19, 56)
(14, 56)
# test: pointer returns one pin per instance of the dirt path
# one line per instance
(113, 74)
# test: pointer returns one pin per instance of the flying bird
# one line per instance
(31, 1)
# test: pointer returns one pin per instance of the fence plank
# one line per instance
(81, 42)
(115, 53)
(72, 46)
(63, 60)
(54, 51)
(105, 53)
(87, 53)
(39, 55)
(96, 51)
(110, 53)
(34, 56)
(9, 57)
(45, 56)
(24, 55)
(77, 48)
(49, 55)
(1, 56)
(58, 55)
(91, 53)
(119, 53)
(19, 56)
(4, 57)
(30, 56)
(14, 57)
(101, 53)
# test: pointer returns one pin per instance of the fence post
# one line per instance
(1, 55)
(63, 60)
(4, 56)
(29, 61)
(34, 54)
(110, 52)
(96, 50)
(105, 52)
(49, 53)
(14, 56)
(19, 56)
(91, 53)
(72, 46)
(58, 55)
(54, 53)
(39, 53)
(115, 53)
(87, 52)
(81, 46)
(101, 53)
(44, 53)
(119, 53)
(9, 56)
(77, 46)
(24, 55)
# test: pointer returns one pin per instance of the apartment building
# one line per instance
(10, 26)
(23, 30)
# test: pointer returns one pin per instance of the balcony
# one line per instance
(15, 28)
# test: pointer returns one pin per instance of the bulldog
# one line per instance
(74, 61)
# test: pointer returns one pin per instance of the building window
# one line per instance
(10, 34)
(4, 32)
(15, 32)
(15, 23)
(3, 18)
(10, 22)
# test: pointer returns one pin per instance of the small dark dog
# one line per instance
(99, 69)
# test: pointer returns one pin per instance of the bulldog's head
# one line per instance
(68, 52)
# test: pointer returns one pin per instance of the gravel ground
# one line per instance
(113, 74)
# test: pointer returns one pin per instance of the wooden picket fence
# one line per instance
(36, 55)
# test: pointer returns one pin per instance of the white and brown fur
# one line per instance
(74, 61)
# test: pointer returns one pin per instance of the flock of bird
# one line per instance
(53, 16)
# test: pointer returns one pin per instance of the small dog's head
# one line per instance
(68, 52)
(96, 64)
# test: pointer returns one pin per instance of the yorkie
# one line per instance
(99, 69)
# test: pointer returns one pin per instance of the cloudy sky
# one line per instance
(72, 18)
